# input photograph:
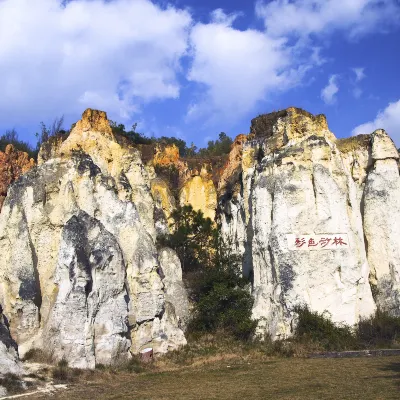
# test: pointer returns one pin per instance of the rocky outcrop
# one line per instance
(315, 219)
(13, 164)
(177, 181)
(80, 276)
(199, 191)
(9, 363)
(381, 203)
(175, 291)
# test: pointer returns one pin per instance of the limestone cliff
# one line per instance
(9, 363)
(80, 274)
(13, 164)
(316, 220)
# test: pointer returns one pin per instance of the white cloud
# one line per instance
(238, 68)
(388, 119)
(218, 16)
(360, 74)
(110, 55)
(316, 57)
(328, 93)
(305, 17)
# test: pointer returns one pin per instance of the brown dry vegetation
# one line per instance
(240, 378)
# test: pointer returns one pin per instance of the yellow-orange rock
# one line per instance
(200, 192)
(233, 166)
(13, 164)
(94, 120)
(166, 156)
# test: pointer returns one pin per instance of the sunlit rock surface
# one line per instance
(9, 363)
(295, 178)
(315, 219)
(79, 272)
(13, 164)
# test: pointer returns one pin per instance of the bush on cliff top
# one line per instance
(11, 137)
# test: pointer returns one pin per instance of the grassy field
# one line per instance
(276, 378)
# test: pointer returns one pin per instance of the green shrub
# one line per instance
(11, 137)
(12, 383)
(381, 330)
(221, 296)
(315, 328)
(38, 355)
(192, 237)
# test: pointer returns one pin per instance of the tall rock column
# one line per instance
(382, 222)
(80, 273)
(294, 215)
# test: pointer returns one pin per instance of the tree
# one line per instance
(218, 147)
(192, 236)
(47, 132)
(222, 300)
(134, 136)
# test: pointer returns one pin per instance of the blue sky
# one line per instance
(192, 68)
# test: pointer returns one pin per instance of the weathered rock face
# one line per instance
(9, 363)
(315, 219)
(200, 192)
(297, 181)
(175, 291)
(13, 164)
(80, 273)
(193, 185)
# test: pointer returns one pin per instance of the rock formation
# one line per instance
(13, 164)
(80, 273)
(9, 363)
(316, 220)
(192, 184)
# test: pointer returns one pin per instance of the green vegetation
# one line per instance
(214, 148)
(218, 147)
(221, 296)
(381, 330)
(192, 238)
(11, 137)
(315, 332)
(46, 132)
(315, 329)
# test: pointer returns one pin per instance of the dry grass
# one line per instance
(353, 143)
(277, 378)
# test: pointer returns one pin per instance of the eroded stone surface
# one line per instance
(295, 177)
(9, 363)
(80, 273)
(13, 164)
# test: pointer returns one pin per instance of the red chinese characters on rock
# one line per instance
(339, 241)
(317, 242)
(300, 242)
(311, 243)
